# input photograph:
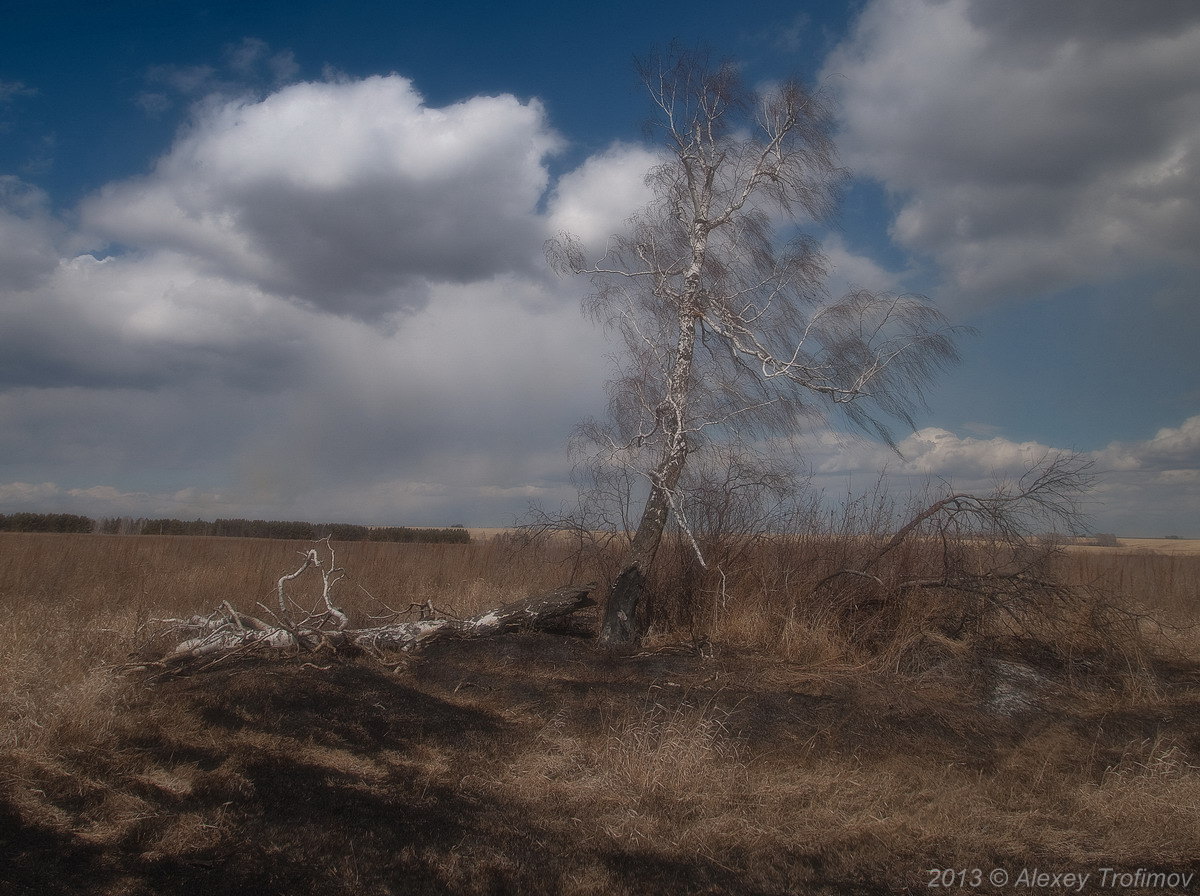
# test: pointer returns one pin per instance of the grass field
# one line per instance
(761, 751)
(1161, 545)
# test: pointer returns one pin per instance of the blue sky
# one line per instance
(284, 260)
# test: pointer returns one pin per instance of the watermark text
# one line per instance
(1091, 880)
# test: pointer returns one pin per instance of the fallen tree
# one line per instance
(227, 632)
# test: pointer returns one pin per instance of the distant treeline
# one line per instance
(46, 522)
(69, 522)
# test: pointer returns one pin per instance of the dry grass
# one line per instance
(1166, 582)
(1161, 545)
(758, 750)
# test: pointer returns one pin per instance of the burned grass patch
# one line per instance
(537, 763)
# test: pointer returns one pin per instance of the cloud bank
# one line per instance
(329, 301)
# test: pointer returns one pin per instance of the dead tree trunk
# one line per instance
(227, 632)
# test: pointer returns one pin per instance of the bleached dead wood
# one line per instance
(228, 632)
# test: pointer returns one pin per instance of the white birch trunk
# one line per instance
(622, 624)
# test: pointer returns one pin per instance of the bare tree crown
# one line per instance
(705, 256)
(728, 332)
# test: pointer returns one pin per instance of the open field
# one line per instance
(1157, 545)
(760, 752)
(1162, 545)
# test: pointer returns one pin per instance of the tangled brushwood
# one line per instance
(890, 583)
(968, 566)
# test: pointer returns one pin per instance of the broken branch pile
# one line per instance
(228, 632)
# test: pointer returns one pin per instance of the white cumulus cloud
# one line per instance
(594, 200)
(350, 195)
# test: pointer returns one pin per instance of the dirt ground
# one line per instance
(535, 763)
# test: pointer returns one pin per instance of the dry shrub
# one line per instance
(914, 586)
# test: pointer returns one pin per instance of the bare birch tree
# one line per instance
(728, 332)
